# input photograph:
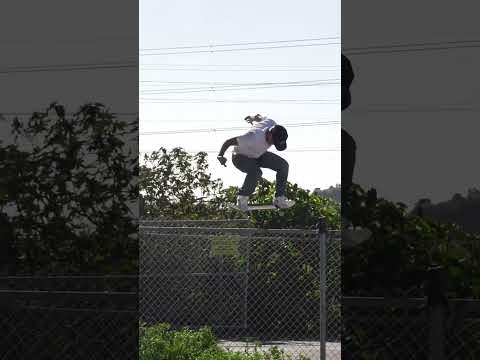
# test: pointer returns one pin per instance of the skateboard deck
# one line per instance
(255, 207)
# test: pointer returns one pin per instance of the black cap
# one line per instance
(280, 136)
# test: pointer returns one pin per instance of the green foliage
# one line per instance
(160, 342)
(402, 247)
(178, 185)
(65, 190)
(305, 213)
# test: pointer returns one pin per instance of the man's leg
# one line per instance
(276, 163)
(251, 168)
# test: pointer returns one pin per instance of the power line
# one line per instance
(247, 65)
(327, 116)
(67, 67)
(215, 83)
(70, 40)
(306, 150)
(192, 131)
(216, 89)
(215, 152)
(412, 47)
(239, 49)
(20, 113)
(419, 109)
(240, 44)
(235, 70)
(203, 101)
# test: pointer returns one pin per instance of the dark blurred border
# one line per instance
(68, 189)
(410, 180)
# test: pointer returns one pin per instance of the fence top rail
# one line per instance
(192, 221)
(125, 294)
(66, 277)
(163, 235)
(233, 230)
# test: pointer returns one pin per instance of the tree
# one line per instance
(403, 246)
(178, 185)
(65, 193)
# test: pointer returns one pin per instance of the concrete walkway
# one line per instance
(310, 349)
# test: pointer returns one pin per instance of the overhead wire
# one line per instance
(412, 47)
(206, 130)
(240, 49)
(220, 83)
(289, 150)
(240, 44)
(229, 88)
(68, 67)
(206, 101)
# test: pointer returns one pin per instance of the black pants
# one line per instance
(251, 167)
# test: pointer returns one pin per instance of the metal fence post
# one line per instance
(437, 306)
(322, 238)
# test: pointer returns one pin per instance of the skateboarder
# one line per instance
(250, 154)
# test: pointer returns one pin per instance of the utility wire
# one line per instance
(192, 131)
(216, 89)
(239, 49)
(20, 113)
(215, 83)
(206, 101)
(412, 47)
(234, 70)
(327, 116)
(419, 109)
(68, 67)
(307, 150)
(240, 44)
(270, 66)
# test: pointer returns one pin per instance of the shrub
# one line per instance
(160, 342)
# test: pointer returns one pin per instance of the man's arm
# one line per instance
(225, 146)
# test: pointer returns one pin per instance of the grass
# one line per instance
(160, 342)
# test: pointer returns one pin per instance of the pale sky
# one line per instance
(194, 23)
(414, 154)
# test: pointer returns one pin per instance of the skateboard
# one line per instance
(255, 207)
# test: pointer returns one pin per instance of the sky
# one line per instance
(415, 154)
(313, 151)
(51, 40)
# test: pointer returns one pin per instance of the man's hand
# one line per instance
(222, 160)
(252, 119)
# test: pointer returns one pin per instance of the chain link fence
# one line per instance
(430, 327)
(251, 286)
(68, 317)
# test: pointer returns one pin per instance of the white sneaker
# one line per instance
(242, 202)
(282, 202)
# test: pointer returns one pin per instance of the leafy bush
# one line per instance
(305, 214)
(178, 185)
(160, 342)
(66, 185)
(393, 262)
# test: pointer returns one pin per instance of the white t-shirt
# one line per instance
(253, 144)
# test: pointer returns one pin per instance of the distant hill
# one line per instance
(333, 192)
(461, 210)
